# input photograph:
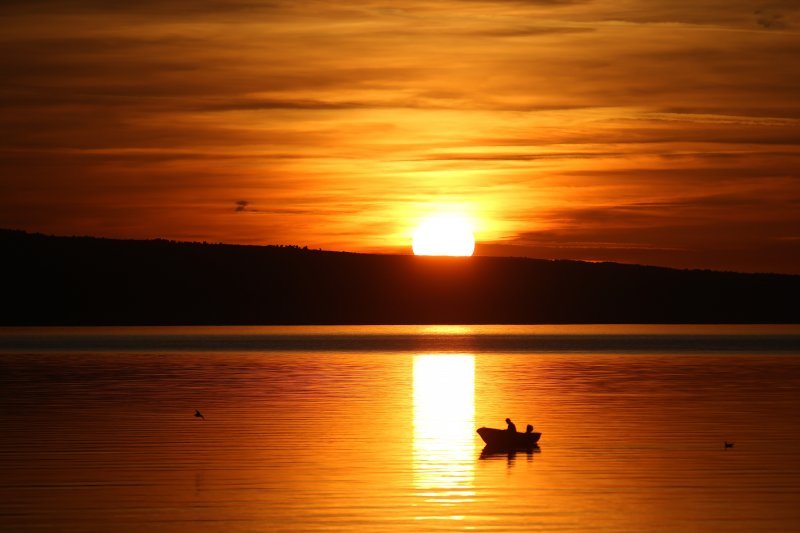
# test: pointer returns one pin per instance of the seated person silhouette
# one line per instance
(529, 429)
(511, 426)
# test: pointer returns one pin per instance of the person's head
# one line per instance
(529, 428)
(508, 420)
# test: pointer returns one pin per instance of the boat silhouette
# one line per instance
(502, 439)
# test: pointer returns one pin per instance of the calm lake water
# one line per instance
(373, 428)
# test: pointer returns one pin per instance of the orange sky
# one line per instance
(660, 132)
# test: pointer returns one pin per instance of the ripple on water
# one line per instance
(308, 440)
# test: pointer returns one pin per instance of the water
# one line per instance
(370, 428)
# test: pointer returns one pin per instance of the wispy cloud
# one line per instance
(572, 126)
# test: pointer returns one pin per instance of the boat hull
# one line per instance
(509, 440)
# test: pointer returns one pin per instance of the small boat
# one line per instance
(508, 440)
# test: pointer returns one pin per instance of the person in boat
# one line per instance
(529, 429)
(511, 426)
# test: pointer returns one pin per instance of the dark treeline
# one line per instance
(90, 281)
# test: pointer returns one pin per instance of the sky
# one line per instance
(663, 132)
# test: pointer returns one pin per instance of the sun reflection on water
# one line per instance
(444, 420)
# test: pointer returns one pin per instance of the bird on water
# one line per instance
(728, 445)
(198, 414)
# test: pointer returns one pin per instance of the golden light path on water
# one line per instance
(444, 425)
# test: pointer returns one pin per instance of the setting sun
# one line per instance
(444, 235)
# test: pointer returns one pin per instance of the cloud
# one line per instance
(314, 206)
(720, 232)
(489, 156)
(771, 21)
(701, 222)
(530, 31)
(561, 125)
(776, 14)
(146, 7)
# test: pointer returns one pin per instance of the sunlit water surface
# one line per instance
(316, 429)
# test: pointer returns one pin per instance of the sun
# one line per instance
(444, 235)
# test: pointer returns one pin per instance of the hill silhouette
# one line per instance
(92, 281)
